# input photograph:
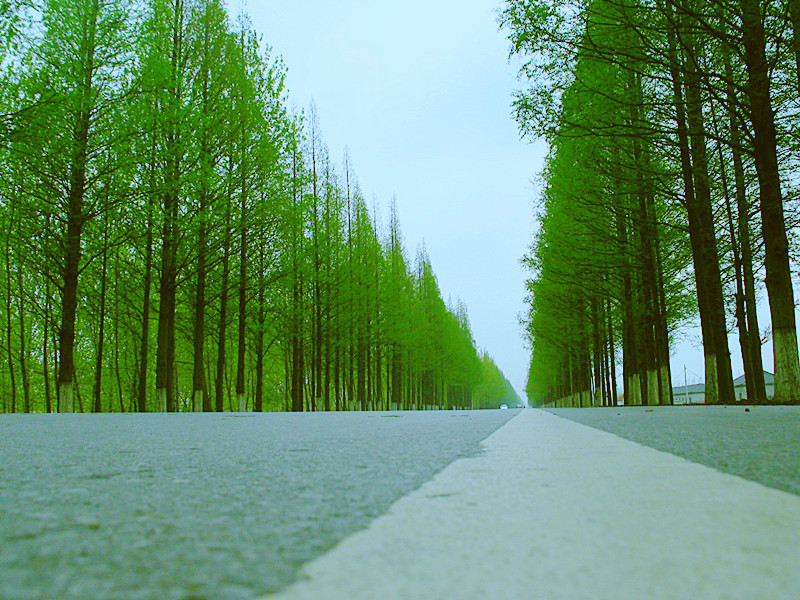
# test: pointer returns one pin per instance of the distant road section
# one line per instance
(595, 517)
(203, 506)
(761, 443)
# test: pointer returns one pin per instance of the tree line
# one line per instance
(669, 191)
(174, 237)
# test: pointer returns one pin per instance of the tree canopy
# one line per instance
(175, 237)
(669, 191)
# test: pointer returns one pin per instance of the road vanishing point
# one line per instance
(655, 503)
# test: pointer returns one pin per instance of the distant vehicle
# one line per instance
(519, 405)
(503, 406)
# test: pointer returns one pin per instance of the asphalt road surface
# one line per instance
(203, 506)
(410, 506)
(760, 443)
(597, 517)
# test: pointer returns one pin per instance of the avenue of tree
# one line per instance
(174, 238)
(670, 191)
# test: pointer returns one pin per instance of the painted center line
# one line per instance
(553, 509)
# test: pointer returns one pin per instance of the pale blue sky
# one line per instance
(420, 92)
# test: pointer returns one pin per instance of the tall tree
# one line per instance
(779, 278)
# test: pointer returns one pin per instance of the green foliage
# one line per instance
(223, 255)
(649, 202)
(494, 389)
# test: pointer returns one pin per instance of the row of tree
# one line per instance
(174, 238)
(669, 190)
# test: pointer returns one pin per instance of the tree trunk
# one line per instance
(612, 357)
(117, 303)
(297, 373)
(78, 394)
(166, 308)
(9, 312)
(370, 378)
(701, 226)
(326, 388)
(144, 343)
(56, 368)
(23, 351)
(258, 405)
(778, 279)
(697, 195)
(740, 314)
(223, 311)
(165, 352)
(743, 229)
(397, 380)
(199, 396)
(72, 255)
(240, 364)
(98, 369)
(337, 383)
(662, 336)
(45, 350)
(75, 216)
(794, 17)
(630, 357)
(361, 392)
(597, 362)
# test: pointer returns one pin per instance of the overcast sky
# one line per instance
(420, 93)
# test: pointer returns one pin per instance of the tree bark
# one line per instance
(199, 395)
(701, 225)
(794, 18)
(612, 356)
(778, 279)
(662, 333)
(597, 361)
(240, 364)
(23, 351)
(98, 373)
(117, 337)
(72, 253)
(144, 342)
(697, 195)
(297, 370)
(258, 405)
(45, 350)
(9, 319)
(743, 228)
(741, 313)
(223, 303)
(630, 356)
(165, 352)
(166, 309)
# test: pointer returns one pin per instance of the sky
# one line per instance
(420, 94)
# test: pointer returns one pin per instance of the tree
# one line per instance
(661, 71)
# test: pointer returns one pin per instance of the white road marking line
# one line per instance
(553, 509)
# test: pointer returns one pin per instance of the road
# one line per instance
(396, 505)
(203, 506)
(599, 518)
(760, 443)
